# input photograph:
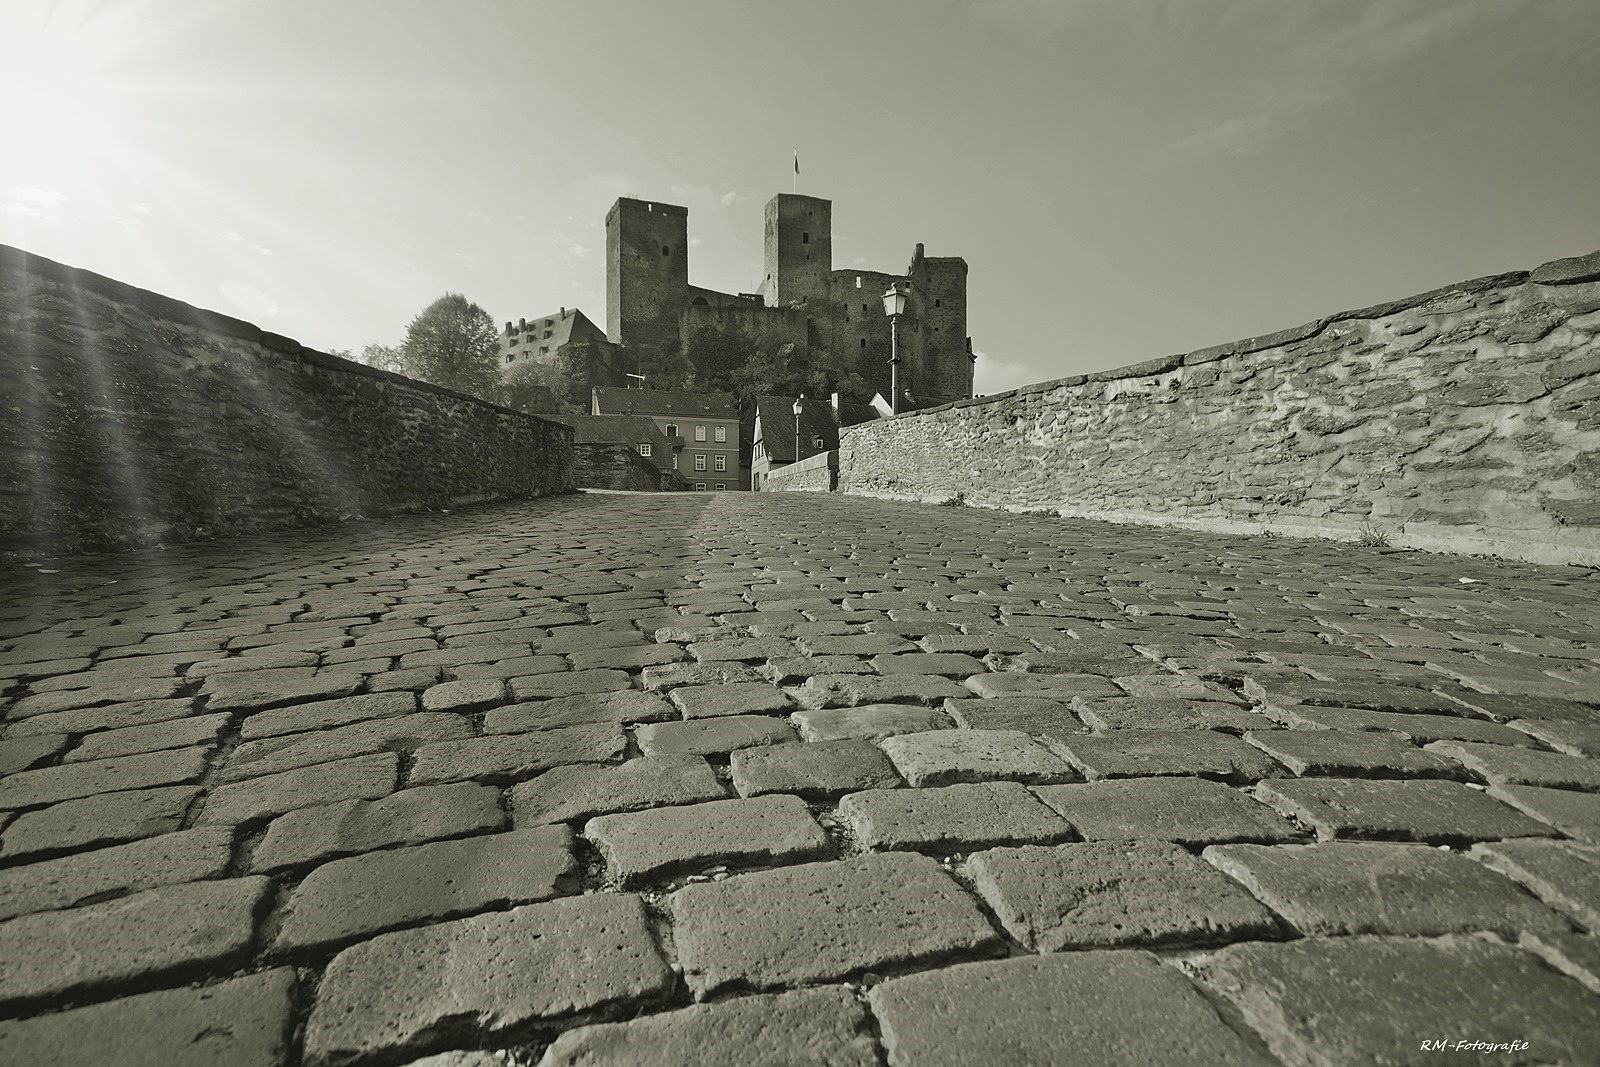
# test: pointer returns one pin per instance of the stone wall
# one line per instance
(128, 418)
(1465, 419)
(814, 474)
(619, 466)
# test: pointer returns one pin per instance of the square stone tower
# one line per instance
(647, 271)
(798, 249)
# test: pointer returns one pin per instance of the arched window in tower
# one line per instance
(666, 250)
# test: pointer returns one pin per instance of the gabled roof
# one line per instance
(609, 400)
(566, 326)
(612, 429)
(775, 427)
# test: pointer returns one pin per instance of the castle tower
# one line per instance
(798, 249)
(940, 368)
(647, 271)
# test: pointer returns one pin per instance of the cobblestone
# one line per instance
(242, 1022)
(807, 1028)
(153, 704)
(409, 817)
(952, 818)
(1120, 1008)
(1368, 1000)
(155, 933)
(483, 976)
(363, 895)
(188, 856)
(1114, 894)
(640, 846)
(567, 794)
(821, 922)
(1344, 888)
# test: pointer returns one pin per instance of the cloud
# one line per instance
(728, 199)
(30, 203)
(991, 375)
(139, 207)
(248, 299)
(694, 242)
(233, 235)
(260, 250)
(478, 216)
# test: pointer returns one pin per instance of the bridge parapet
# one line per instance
(1464, 419)
(131, 418)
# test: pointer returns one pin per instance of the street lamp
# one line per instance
(797, 409)
(894, 305)
(640, 377)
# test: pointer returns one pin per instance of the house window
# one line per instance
(672, 429)
(858, 281)
(722, 463)
(699, 463)
(699, 433)
(510, 356)
(722, 485)
(816, 442)
(644, 449)
(699, 485)
(805, 237)
(722, 433)
(544, 350)
(548, 323)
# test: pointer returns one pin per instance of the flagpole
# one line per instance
(794, 179)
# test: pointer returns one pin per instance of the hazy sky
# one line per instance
(1125, 179)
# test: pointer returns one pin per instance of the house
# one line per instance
(638, 432)
(779, 438)
(703, 429)
(539, 339)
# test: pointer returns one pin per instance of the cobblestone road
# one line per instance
(795, 779)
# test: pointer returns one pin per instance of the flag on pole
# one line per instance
(797, 161)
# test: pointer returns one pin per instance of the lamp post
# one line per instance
(894, 304)
(797, 409)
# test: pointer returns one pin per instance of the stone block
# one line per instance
(28, 751)
(241, 1022)
(1176, 687)
(569, 684)
(868, 722)
(821, 922)
(947, 664)
(856, 645)
(855, 690)
(1502, 765)
(512, 757)
(824, 1027)
(90, 877)
(151, 935)
(954, 818)
(98, 820)
(362, 778)
(353, 898)
(1062, 687)
(469, 695)
(1564, 874)
(272, 755)
(712, 737)
(200, 730)
(643, 845)
(1349, 754)
(1438, 812)
(720, 672)
(1193, 812)
(818, 771)
(737, 698)
(409, 817)
(1167, 713)
(1114, 894)
(1418, 728)
(1032, 715)
(575, 793)
(490, 975)
(1113, 1008)
(1373, 696)
(621, 706)
(749, 649)
(1573, 739)
(1574, 814)
(326, 714)
(1503, 707)
(945, 757)
(50, 785)
(254, 690)
(621, 659)
(108, 717)
(1151, 753)
(1343, 888)
(1376, 999)
(797, 669)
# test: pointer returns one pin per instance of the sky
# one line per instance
(1126, 179)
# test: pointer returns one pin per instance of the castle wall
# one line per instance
(766, 326)
(853, 325)
(618, 466)
(1465, 419)
(128, 418)
(647, 271)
